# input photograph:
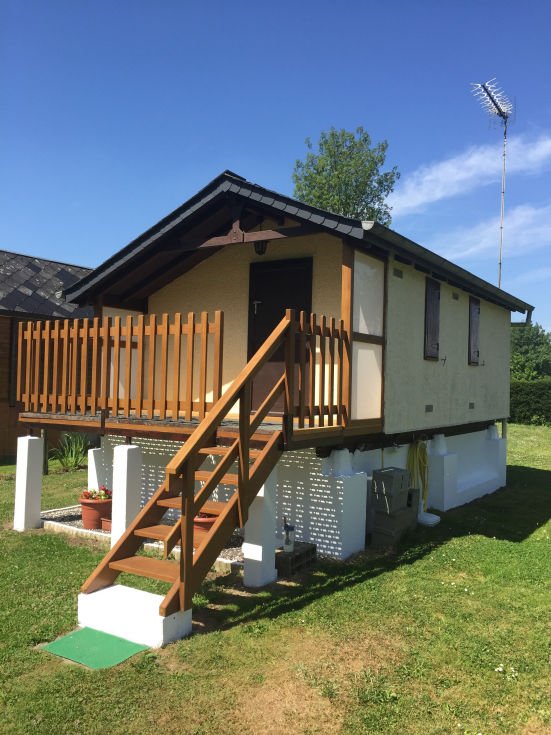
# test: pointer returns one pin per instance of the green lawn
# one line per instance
(448, 635)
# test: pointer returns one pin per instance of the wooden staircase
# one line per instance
(253, 453)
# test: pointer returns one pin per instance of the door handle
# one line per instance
(256, 304)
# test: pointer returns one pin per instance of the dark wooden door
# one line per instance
(274, 287)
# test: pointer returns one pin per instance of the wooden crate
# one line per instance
(290, 562)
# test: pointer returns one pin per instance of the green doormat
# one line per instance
(93, 648)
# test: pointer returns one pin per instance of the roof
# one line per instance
(365, 235)
(28, 285)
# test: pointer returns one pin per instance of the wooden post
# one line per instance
(186, 523)
(347, 281)
(289, 410)
(44, 437)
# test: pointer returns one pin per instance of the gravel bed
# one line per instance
(72, 517)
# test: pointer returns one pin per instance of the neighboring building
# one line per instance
(394, 344)
(28, 288)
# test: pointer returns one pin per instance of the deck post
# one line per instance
(260, 536)
(127, 476)
(28, 483)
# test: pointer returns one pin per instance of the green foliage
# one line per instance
(71, 451)
(530, 352)
(531, 402)
(345, 176)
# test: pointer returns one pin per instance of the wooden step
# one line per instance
(211, 507)
(161, 532)
(222, 451)
(225, 480)
(145, 566)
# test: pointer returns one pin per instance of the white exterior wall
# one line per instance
(411, 382)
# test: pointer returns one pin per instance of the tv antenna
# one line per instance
(496, 102)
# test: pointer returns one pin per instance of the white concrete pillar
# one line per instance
(443, 471)
(260, 537)
(96, 469)
(496, 453)
(353, 519)
(127, 477)
(28, 483)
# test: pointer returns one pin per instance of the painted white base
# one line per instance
(133, 615)
(260, 537)
(28, 483)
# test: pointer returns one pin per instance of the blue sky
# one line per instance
(115, 113)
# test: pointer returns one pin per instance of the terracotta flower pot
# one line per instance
(93, 511)
(204, 522)
(105, 524)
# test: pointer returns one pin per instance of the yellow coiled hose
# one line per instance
(418, 466)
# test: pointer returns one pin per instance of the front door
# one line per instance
(275, 286)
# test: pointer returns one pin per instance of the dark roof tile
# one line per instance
(29, 284)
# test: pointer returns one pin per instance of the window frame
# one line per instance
(474, 331)
(431, 348)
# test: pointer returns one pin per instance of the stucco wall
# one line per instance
(412, 383)
(222, 282)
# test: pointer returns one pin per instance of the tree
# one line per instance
(345, 176)
(530, 352)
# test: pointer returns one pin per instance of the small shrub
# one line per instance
(71, 452)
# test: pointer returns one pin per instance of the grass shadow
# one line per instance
(512, 514)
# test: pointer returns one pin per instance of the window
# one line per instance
(474, 321)
(432, 319)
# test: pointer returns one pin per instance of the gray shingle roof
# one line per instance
(28, 285)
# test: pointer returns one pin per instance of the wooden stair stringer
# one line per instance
(207, 553)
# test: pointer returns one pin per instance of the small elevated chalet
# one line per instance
(244, 339)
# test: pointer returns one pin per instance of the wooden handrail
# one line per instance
(225, 403)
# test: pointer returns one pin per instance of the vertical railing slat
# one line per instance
(95, 377)
(331, 370)
(139, 366)
(164, 364)
(116, 363)
(74, 366)
(55, 365)
(105, 363)
(37, 353)
(203, 364)
(83, 332)
(312, 355)
(340, 367)
(128, 366)
(218, 353)
(177, 346)
(151, 366)
(189, 365)
(29, 365)
(322, 372)
(46, 367)
(65, 368)
(302, 369)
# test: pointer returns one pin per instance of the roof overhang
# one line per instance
(199, 228)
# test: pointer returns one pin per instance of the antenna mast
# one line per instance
(495, 102)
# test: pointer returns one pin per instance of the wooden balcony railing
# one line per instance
(144, 366)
